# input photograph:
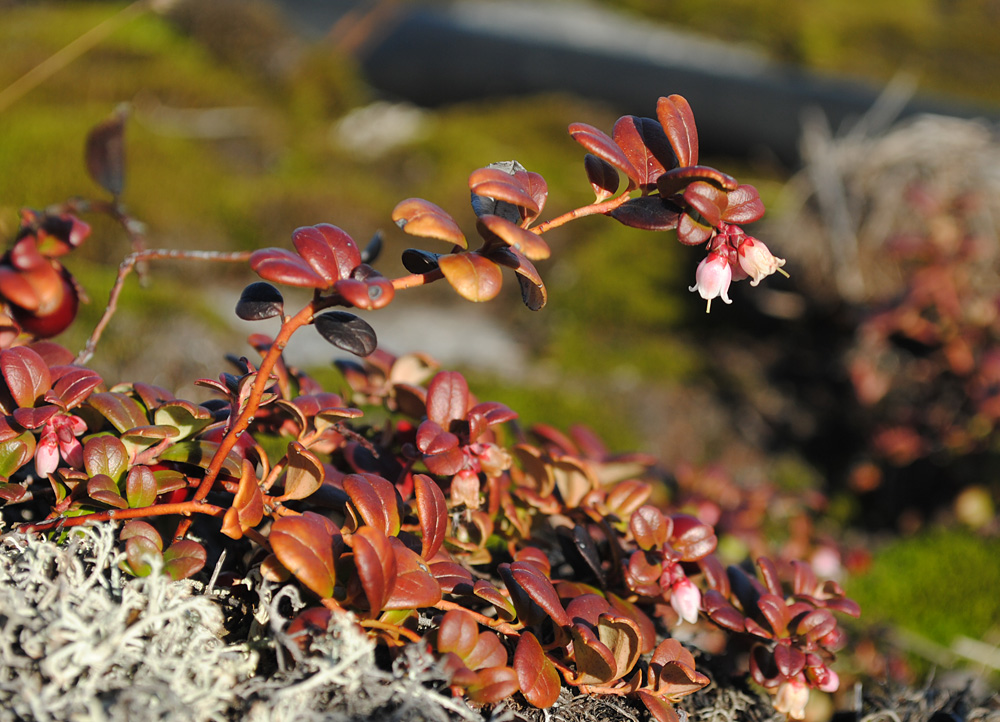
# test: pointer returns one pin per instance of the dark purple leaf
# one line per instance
(648, 213)
(258, 301)
(601, 145)
(105, 153)
(677, 121)
(602, 176)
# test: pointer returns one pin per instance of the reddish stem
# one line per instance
(184, 507)
(493, 624)
(593, 209)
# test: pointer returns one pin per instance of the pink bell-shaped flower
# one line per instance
(757, 261)
(712, 278)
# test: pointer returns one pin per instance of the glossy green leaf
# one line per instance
(184, 559)
(105, 455)
(140, 487)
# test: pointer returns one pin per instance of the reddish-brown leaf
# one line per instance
(816, 625)
(770, 577)
(282, 266)
(649, 527)
(720, 611)
(672, 671)
(26, 373)
(673, 181)
(376, 565)
(303, 473)
(432, 512)
(432, 439)
(646, 147)
(540, 590)
(536, 675)
(499, 185)
(414, 587)
(121, 410)
(422, 218)
(492, 685)
(72, 385)
(475, 277)
(601, 145)
(531, 245)
(453, 578)
(458, 633)
(646, 629)
(488, 593)
(137, 527)
(536, 187)
(447, 398)
(677, 119)
(328, 250)
(306, 545)
(691, 538)
(692, 232)
(376, 499)
(659, 708)
(488, 652)
(789, 660)
(775, 612)
(708, 200)
(248, 503)
(743, 205)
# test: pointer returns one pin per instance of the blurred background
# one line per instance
(850, 411)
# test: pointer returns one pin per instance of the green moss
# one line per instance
(940, 585)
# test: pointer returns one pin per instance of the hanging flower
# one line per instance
(757, 261)
(58, 438)
(712, 278)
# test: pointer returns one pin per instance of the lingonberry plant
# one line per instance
(530, 561)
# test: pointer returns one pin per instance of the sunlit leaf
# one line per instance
(475, 277)
(646, 147)
(376, 499)
(458, 633)
(677, 119)
(536, 675)
(140, 487)
(306, 546)
(105, 455)
(492, 685)
(103, 489)
(432, 512)
(184, 559)
(743, 205)
(422, 218)
(26, 373)
(328, 250)
(601, 145)
(303, 472)
(376, 565)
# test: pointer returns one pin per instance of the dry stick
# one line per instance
(129, 264)
(183, 507)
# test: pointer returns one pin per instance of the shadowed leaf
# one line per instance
(602, 176)
(672, 671)
(121, 410)
(648, 213)
(708, 200)
(140, 552)
(595, 664)
(416, 260)
(247, 510)
(303, 474)
(458, 633)
(488, 593)
(105, 153)
(348, 332)
(200, 453)
(659, 708)
(492, 685)
(15, 453)
(258, 301)
(528, 243)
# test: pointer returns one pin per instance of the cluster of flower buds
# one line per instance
(733, 256)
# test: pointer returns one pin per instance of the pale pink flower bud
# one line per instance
(685, 598)
(712, 279)
(757, 261)
(792, 697)
(47, 453)
(465, 489)
(823, 678)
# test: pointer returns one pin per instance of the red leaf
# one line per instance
(121, 410)
(376, 500)
(432, 439)
(328, 250)
(708, 200)
(536, 675)
(816, 625)
(432, 511)
(414, 587)
(283, 266)
(769, 574)
(774, 610)
(659, 708)
(502, 186)
(73, 384)
(303, 474)
(673, 181)
(447, 398)
(692, 538)
(649, 527)
(488, 652)
(601, 145)
(105, 153)
(376, 565)
(26, 374)
(692, 232)
(452, 577)
(528, 243)
(475, 277)
(743, 205)
(248, 504)
(540, 590)
(673, 672)
(790, 660)
(422, 218)
(720, 611)
(492, 685)
(305, 545)
(535, 186)
(677, 120)
(141, 528)
(488, 593)
(458, 633)
(646, 147)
